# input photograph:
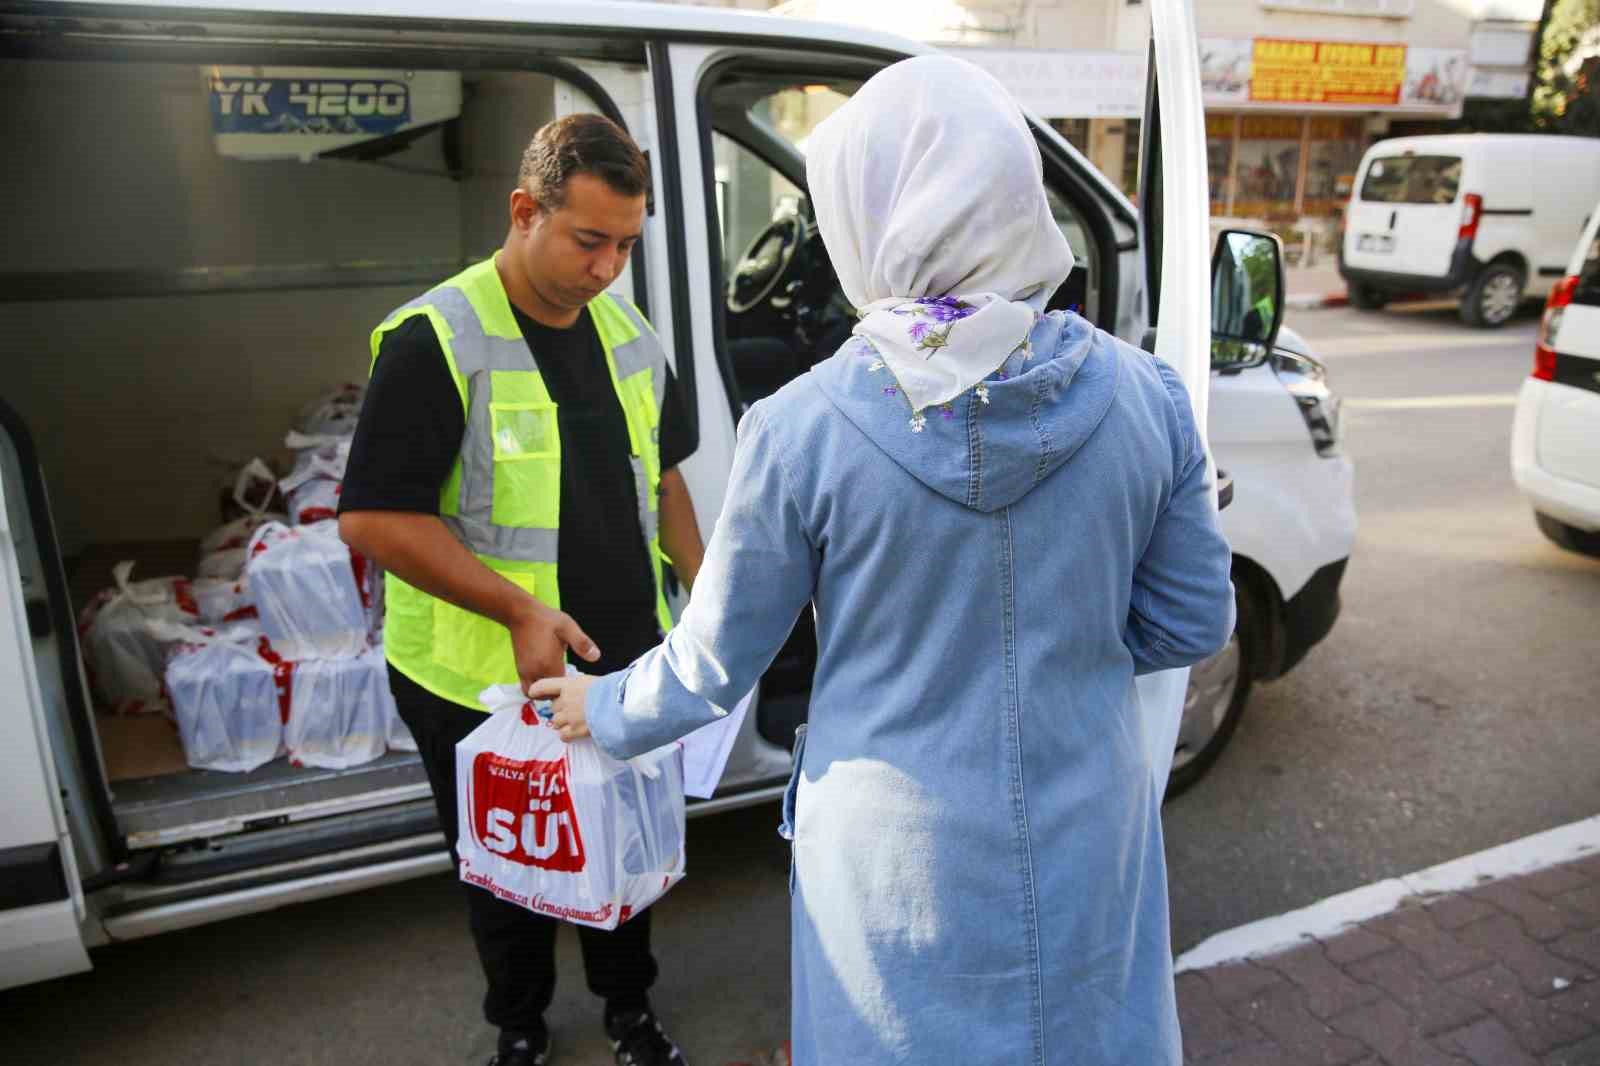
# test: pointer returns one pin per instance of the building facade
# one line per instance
(1295, 90)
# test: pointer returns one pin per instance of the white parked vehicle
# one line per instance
(1489, 215)
(282, 173)
(1555, 439)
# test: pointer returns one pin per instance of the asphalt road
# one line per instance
(1451, 709)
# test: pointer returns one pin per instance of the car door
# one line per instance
(41, 898)
(1177, 248)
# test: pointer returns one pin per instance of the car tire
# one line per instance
(1367, 298)
(1568, 537)
(1219, 690)
(1493, 297)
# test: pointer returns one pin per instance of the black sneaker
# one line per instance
(638, 1040)
(520, 1049)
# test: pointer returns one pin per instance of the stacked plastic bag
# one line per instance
(282, 618)
(225, 698)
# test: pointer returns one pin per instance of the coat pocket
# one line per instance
(790, 795)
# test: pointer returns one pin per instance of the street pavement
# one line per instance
(1503, 974)
(1451, 710)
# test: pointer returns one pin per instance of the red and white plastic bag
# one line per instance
(222, 601)
(312, 486)
(225, 697)
(253, 492)
(306, 592)
(564, 829)
(122, 649)
(340, 711)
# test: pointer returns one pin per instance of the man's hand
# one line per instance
(540, 638)
(422, 551)
(566, 695)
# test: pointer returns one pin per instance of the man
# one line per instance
(515, 458)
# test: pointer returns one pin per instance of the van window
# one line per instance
(1413, 179)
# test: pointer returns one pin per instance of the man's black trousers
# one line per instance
(515, 945)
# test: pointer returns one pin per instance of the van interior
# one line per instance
(180, 290)
(181, 286)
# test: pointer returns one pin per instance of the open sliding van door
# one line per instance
(1174, 207)
(41, 898)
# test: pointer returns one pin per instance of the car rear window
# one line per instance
(1413, 179)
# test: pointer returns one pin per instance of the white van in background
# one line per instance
(1555, 440)
(1491, 216)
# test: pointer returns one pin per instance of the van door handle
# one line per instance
(1393, 215)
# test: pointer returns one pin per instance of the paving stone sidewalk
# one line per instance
(1506, 973)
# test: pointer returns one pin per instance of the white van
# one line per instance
(192, 254)
(1489, 215)
(1555, 438)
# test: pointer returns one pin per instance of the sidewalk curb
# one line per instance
(1333, 915)
(1310, 301)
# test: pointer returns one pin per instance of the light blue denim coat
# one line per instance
(978, 873)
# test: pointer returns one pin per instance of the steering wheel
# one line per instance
(765, 263)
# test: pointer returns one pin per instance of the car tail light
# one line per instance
(1471, 212)
(1555, 309)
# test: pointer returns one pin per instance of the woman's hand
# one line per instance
(566, 696)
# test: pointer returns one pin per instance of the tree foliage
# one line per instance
(1566, 85)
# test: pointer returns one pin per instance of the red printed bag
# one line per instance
(565, 829)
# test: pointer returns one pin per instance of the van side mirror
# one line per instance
(1247, 292)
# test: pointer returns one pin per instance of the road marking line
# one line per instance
(1334, 915)
(1390, 343)
(1423, 403)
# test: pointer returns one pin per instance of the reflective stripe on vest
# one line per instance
(503, 496)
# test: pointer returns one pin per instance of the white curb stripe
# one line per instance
(1335, 914)
(1424, 403)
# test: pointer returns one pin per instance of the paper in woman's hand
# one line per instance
(705, 751)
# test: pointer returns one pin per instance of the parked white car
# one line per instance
(249, 265)
(1491, 216)
(1555, 438)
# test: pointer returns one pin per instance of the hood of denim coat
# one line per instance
(986, 455)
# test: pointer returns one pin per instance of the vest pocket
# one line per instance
(527, 464)
(524, 431)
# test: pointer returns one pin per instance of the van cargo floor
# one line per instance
(199, 804)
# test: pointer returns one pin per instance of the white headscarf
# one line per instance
(929, 193)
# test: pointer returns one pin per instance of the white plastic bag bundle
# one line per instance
(565, 829)
(254, 490)
(225, 698)
(333, 412)
(305, 592)
(224, 565)
(312, 486)
(339, 711)
(222, 601)
(121, 647)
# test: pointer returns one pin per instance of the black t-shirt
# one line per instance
(410, 432)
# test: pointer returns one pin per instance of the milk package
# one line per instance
(230, 702)
(342, 712)
(564, 829)
(315, 600)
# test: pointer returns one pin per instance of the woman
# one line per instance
(999, 517)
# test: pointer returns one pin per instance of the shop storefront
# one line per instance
(1287, 121)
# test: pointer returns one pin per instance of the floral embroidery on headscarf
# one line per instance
(930, 313)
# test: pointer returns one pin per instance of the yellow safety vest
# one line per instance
(503, 496)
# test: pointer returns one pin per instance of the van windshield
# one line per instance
(1413, 179)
